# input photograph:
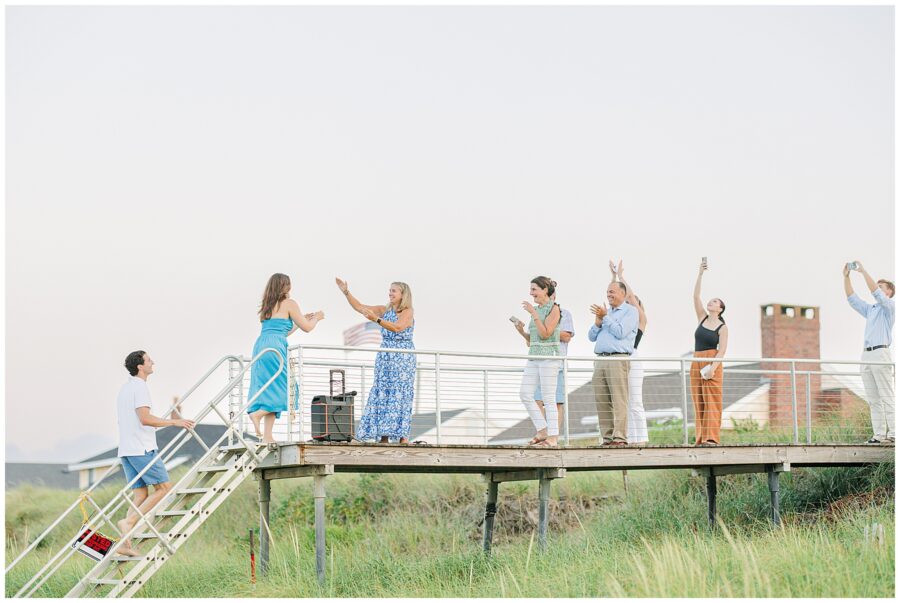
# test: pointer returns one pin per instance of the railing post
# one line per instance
(684, 415)
(302, 428)
(808, 411)
(794, 402)
(485, 432)
(437, 396)
(566, 401)
(231, 405)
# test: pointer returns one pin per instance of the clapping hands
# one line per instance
(599, 312)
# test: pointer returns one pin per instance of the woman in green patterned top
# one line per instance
(543, 333)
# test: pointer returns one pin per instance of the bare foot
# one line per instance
(268, 441)
(404, 440)
(124, 526)
(256, 419)
(127, 551)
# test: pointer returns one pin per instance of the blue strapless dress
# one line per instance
(275, 397)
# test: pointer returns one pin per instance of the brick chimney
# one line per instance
(790, 332)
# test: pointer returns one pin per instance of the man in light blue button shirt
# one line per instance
(613, 334)
(878, 379)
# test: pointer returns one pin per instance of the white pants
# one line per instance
(637, 420)
(879, 383)
(543, 374)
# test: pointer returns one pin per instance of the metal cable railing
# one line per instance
(474, 398)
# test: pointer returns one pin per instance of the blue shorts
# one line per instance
(560, 389)
(156, 474)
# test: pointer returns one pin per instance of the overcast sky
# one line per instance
(163, 162)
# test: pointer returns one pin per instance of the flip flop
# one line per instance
(545, 444)
(536, 440)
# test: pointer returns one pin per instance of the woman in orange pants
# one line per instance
(710, 341)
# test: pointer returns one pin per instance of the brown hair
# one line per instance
(275, 293)
(889, 284)
(545, 282)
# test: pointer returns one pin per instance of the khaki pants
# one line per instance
(610, 382)
(879, 383)
(707, 395)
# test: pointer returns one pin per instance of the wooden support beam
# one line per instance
(543, 510)
(774, 492)
(297, 471)
(319, 496)
(490, 509)
(265, 494)
(531, 474)
(711, 500)
(718, 470)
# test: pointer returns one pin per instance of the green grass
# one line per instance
(418, 536)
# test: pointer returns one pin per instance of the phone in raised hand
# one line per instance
(515, 321)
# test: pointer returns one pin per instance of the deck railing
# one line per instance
(473, 398)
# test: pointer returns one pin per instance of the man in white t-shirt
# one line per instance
(137, 443)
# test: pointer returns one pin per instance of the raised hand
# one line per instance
(621, 269)
(612, 269)
(320, 315)
(599, 311)
(342, 285)
(529, 308)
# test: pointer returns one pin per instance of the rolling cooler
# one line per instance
(332, 416)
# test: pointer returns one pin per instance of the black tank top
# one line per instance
(706, 339)
(637, 338)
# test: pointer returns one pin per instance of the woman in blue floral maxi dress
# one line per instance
(388, 411)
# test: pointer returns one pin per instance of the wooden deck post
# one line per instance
(543, 509)
(319, 496)
(490, 509)
(773, 490)
(711, 499)
(265, 494)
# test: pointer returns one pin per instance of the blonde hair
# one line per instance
(405, 297)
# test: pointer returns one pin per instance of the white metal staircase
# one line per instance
(178, 515)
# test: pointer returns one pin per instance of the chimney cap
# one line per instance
(782, 305)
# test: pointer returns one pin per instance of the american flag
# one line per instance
(367, 333)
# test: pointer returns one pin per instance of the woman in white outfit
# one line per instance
(543, 340)
(637, 419)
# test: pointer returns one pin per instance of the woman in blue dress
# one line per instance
(388, 411)
(280, 316)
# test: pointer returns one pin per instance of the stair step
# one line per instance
(171, 513)
(214, 468)
(106, 581)
(194, 490)
(124, 558)
(146, 536)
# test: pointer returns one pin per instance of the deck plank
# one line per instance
(470, 458)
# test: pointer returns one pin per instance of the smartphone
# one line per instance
(705, 263)
(514, 320)
(852, 266)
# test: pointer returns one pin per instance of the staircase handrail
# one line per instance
(119, 498)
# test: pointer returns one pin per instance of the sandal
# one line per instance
(545, 444)
(536, 440)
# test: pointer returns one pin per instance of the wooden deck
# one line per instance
(501, 464)
(296, 460)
